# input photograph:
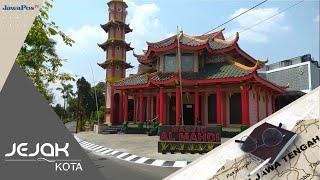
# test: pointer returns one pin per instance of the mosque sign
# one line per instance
(188, 139)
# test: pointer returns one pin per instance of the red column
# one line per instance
(111, 106)
(149, 108)
(158, 108)
(161, 100)
(245, 105)
(178, 105)
(218, 105)
(134, 110)
(126, 109)
(196, 105)
(141, 106)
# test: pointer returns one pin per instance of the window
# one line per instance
(117, 67)
(119, 9)
(187, 62)
(169, 62)
(118, 28)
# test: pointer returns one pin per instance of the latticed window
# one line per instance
(187, 62)
(169, 62)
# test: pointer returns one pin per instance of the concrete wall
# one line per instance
(315, 75)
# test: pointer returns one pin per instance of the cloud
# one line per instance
(261, 32)
(317, 18)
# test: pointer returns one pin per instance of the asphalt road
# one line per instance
(115, 169)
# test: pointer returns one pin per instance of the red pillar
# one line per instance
(161, 100)
(149, 108)
(158, 108)
(126, 109)
(245, 105)
(196, 105)
(178, 105)
(141, 106)
(111, 106)
(120, 107)
(134, 110)
(218, 105)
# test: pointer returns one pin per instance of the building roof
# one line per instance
(107, 26)
(115, 1)
(213, 42)
(114, 62)
(115, 42)
(211, 71)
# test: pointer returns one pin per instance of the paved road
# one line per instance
(71, 126)
(115, 169)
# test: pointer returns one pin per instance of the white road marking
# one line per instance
(106, 151)
(114, 152)
(180, 164)
(102, 149)
(121, 155)
(157, 162)
(141, 160)
(130, 157)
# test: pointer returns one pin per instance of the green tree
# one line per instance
(59, 110)
(38, 57)
(66, 91)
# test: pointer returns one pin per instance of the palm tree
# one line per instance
(67, 92)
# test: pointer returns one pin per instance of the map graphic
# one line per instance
(301, 160)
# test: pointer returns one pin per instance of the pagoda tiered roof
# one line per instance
(115, 42)
(219, 72)
(106, 26)
(213, 42)
(114, 62)
(121, 1)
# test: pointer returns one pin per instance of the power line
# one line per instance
(276, 14)
(237, 16)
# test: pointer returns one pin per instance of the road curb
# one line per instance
(129, 157)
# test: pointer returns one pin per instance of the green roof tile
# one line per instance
(210, 71)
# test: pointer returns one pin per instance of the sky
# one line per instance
(292, 33)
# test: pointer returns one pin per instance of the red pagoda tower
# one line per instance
(115, 48)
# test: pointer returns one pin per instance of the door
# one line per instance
(235, 108)
(172, 110)
(188, 114)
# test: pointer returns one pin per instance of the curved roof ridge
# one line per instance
(167, 39)
(228, 41)
(195, 39)
(242, 66)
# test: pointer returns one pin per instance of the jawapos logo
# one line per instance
(22, 7)
(44, 152)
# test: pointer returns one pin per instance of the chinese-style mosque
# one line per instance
(218, 83)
